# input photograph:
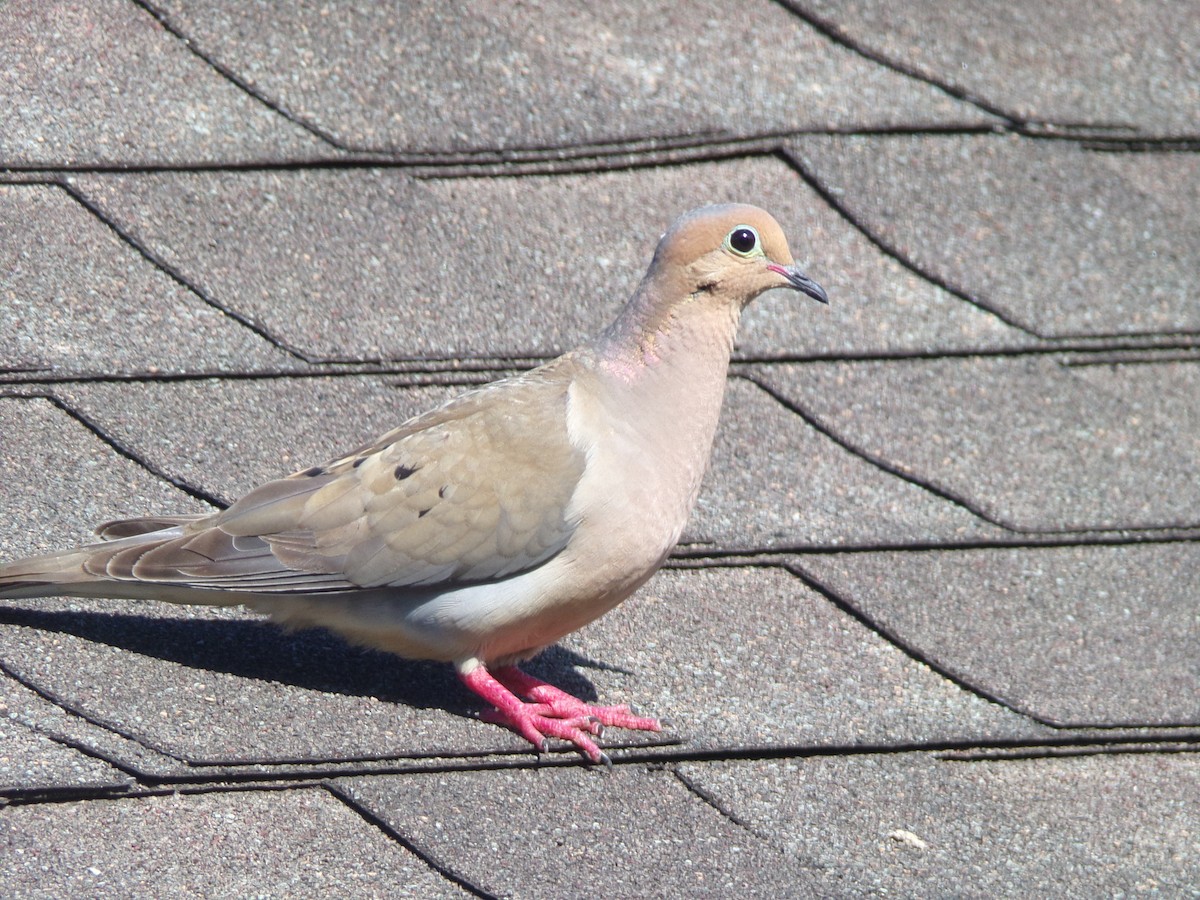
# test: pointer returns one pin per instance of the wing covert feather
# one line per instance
(475, 490)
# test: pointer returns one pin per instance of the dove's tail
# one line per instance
(98, 570)
(41, 576)
(183, 559)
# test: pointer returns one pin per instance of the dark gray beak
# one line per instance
(801, 282)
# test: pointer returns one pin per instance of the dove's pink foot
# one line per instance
(552, 713)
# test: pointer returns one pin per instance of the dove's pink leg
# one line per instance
(564, 705)
(553, 713)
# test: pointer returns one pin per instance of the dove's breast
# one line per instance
(646, 442)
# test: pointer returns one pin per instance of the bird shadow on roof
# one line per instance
(312, 659)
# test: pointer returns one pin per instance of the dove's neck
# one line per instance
(665, 364)
(652, 333)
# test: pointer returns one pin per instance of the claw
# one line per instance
(550, 712)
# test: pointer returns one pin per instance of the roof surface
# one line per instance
(934, 627)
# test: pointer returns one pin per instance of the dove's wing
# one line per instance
(123, 528)
(475, 490)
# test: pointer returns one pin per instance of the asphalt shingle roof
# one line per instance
(932, 629)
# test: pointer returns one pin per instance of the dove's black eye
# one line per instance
(742, 239)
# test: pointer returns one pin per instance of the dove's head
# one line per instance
(733, 252)
(707, 267)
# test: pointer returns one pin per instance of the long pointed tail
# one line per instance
(179, 560)
(80, 572)
(44, 575)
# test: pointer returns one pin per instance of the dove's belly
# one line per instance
(495, 623)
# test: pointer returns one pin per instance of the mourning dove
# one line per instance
(482, 531)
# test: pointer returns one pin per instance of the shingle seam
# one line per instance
(233, 78)
(72, 710)
(885, 633)
(709, 799)
(838, 35)
(883, 465)
(121, 449)
(178, 277)
(445, 870)
(797, 164)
